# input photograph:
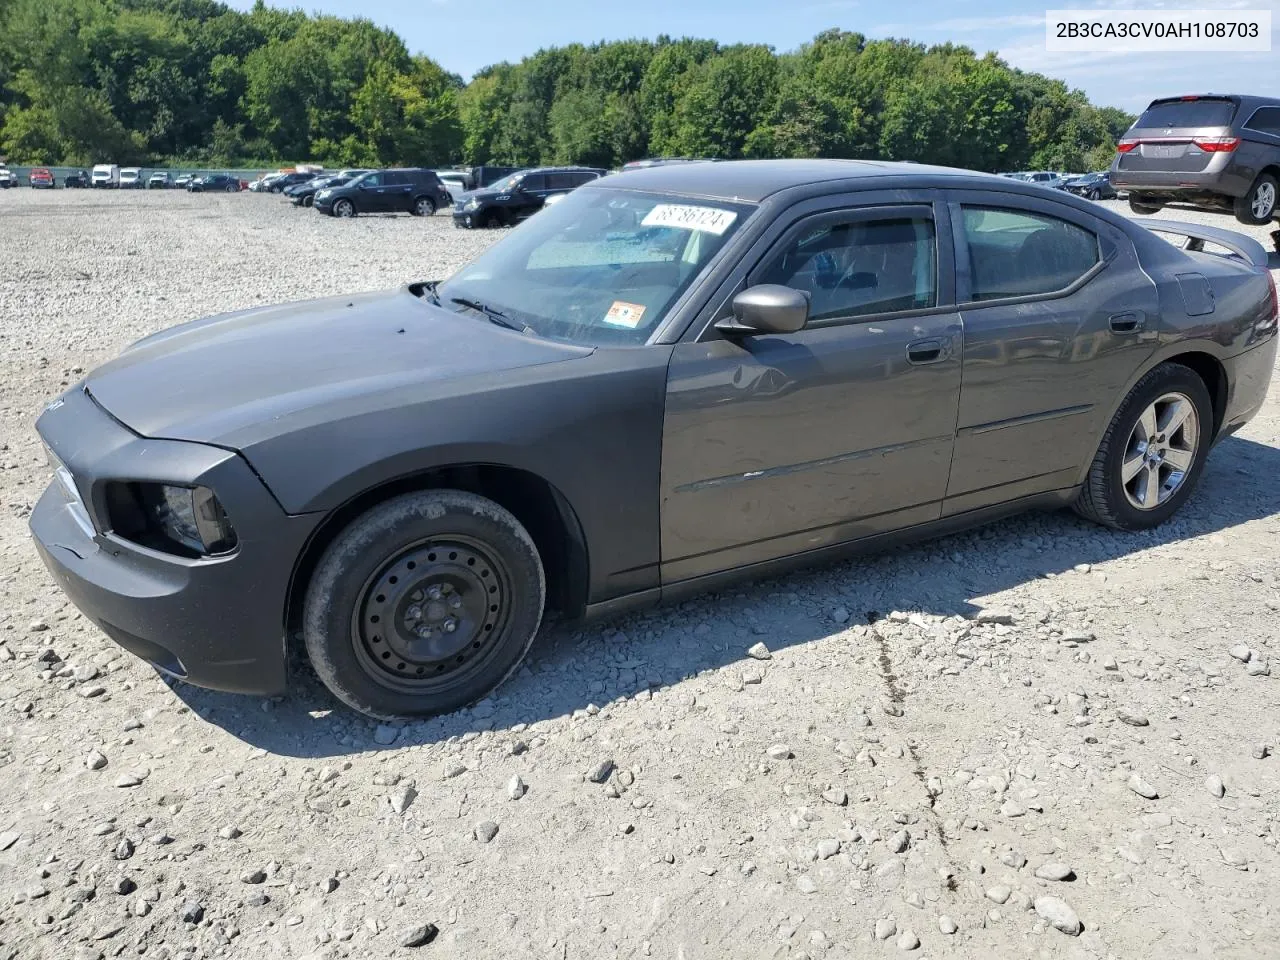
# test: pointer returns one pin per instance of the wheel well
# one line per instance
(539, 507)
(1209, 370)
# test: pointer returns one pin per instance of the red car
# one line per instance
(40, 177)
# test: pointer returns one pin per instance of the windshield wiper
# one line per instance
(495, 316)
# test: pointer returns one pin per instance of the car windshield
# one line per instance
(508, 182)
(602, 267)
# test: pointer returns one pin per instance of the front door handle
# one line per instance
(1131, 321)
(924, 351)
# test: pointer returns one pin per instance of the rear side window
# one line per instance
(1016, 253)
(1265, 120)
(861, 268)
(583, 176)
(562, 181)
(1187, 113)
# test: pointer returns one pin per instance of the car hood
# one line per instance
(238, 378)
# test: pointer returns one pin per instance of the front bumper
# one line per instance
(464, 218)
(217, 622)
(324, 206)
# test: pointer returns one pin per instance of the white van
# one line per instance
(130, 178)
(105, 175)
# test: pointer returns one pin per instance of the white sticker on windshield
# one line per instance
(706, 219)
(623, 314)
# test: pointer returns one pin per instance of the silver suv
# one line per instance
(1215, 151)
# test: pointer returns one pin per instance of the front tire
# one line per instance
(1153, 452)
(423, 604)
(344, 209)
(1143, 209)
(1095, 194)
(1258, 205)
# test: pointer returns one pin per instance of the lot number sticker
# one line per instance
(706, 219)
(623, 314)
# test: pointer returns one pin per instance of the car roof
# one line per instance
(560, 170)
(754, 180)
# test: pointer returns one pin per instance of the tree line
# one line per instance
(194, 81)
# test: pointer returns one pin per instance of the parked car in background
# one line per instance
(642, 393)
(7, 179)
(401, 190)
(456, 182)
(304, 194)
(106, 176)
(487, 174)
(281, 181)
(1215, 152)
(41, 177)
(160, 180)
(1092, 186)
(215, 183)
(519, 196)
(76, 179)
(130, 178)
(183, 180)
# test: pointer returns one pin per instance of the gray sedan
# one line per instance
(673, 378)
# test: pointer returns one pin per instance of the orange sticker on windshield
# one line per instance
(623, 314)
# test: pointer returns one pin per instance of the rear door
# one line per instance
(1058, 316)
(777, 444)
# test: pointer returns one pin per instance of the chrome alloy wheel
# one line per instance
(1264, 201)
(1161, 451)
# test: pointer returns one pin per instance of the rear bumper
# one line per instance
(216, 622)
(1180, 184)
(1249, 375)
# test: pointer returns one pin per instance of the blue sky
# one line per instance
(465, 35)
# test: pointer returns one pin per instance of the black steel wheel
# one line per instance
(423, 604)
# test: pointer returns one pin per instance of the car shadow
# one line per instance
(573, 666)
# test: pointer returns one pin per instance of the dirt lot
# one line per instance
(936, 740)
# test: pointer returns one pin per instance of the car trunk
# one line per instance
(1177, 136)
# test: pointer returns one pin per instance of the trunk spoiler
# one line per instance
(1245, 248)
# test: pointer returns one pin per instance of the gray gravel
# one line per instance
(934, 755)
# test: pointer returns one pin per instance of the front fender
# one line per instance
(592, 429)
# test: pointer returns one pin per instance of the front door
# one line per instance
(778, 444)
(1055, 326)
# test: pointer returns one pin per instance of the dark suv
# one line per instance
(519, 196)
(404, 190)
(1221, 152)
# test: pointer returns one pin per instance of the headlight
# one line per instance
(165, 516)
(321, 194)
(471, 204)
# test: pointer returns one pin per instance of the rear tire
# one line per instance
(1137, 205)
(423, 207)
(1140, 445)
(423, 604)
(1258, 205)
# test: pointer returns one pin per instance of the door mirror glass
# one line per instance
(767, 308)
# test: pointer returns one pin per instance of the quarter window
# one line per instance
(1265, 120)
(861, 267)
(1015, 253)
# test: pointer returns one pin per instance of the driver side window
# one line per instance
(861, 267)
(372, 180)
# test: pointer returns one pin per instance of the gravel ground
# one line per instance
(1039, 739)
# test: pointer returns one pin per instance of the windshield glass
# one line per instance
(601, 267)
(1187, 113)
(507, 183)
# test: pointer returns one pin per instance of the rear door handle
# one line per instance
(924, 351)
(1130, 321)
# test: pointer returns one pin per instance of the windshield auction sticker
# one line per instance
(623, 314)
(706, 219)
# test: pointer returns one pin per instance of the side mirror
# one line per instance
(767, 308)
